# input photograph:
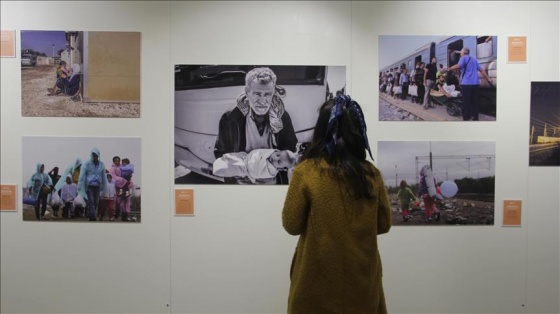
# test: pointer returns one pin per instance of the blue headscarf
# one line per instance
(341, 102)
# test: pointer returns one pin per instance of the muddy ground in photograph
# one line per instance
(29, 215)
(36, 103)
(454, 211)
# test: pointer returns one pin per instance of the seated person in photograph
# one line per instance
(68, 86)
(61, 73)
(442, 88)
(258, 164)
(258, 120)
(452, 78)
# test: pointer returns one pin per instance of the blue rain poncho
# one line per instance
(37, 180)
(69, 171)
(92, 174)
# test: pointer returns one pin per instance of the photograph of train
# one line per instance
(544, 145)
(437, 78)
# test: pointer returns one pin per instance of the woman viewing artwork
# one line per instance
(337, 204)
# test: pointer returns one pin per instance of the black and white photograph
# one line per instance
(544, 146)
(437, 78)
(80, 74)
(439, 182)
(247, 124)
(82, 179)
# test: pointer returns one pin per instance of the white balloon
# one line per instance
(449, 188)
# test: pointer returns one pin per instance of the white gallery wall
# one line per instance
(233, 256)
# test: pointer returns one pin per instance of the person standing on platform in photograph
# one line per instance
(419, 81)
(470, 84)
(390, 80)
(412, 80)
(429, 81)
(396, 84)
(92, 181)
(337, 204)
(404, 82)
(259, 120)
(39, 188)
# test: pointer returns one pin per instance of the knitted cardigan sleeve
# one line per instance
(384, 208)
(296, 205)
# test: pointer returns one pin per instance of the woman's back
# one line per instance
(338, 204)
(336, 267)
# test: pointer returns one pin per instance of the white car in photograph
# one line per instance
(28, 60)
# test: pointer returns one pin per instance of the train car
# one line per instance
(422, 54)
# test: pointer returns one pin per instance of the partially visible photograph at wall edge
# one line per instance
(544, 130)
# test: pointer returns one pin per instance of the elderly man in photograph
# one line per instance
(259, 120)
(469, 84)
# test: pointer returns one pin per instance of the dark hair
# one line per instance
(125, 161)
(116, 157)
(403, 184)
(348, 162)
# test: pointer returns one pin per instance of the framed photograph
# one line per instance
(544, 143)
(247, 124)
(439, 182)
(437, 78)
(82, 179)
(80, 74)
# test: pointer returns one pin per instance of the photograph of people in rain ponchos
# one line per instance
(89, 189)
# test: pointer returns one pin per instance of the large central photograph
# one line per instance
(247, 124)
